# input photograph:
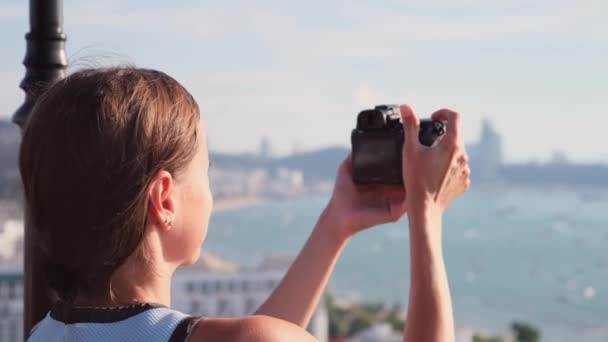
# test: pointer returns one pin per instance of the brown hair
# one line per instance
(92, 145)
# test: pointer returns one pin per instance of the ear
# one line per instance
(161, 208)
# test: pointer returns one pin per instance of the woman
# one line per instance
(114, 164)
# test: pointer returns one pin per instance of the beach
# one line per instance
(238, 202)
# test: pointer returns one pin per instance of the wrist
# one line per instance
(424, 205)
(333, 226)
(425, 224)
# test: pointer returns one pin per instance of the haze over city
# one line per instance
(299, 73)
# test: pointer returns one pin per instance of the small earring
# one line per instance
(168, 221)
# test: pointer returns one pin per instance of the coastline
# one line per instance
(234, 203)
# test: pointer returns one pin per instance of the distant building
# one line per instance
(378, 333)
(227, 183)
(257, 181)
(266, 150)
(559, 158)
(486, 158)
(11, 241)
(11, 304)
(11, 276)
(202, 290)
(10, 136)
(271, 182)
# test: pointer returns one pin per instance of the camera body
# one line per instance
(377, 144)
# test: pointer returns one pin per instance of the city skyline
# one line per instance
(266, 149)
(300, 73)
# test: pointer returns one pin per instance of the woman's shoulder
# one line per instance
(250, 328)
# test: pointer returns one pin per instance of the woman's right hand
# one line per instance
(433, 176)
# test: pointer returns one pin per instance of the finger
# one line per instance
(374, 216)
(397, 204)
(394, 207)
(397, 208)
(453, 121)
(463, 159)
(466, 172)
(384, 192)
(411, 125)
(381, 192)
(390, 189)
(347, 165)
(348, 160)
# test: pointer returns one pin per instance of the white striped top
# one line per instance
(137, 323)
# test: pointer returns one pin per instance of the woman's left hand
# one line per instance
(355, 207)
(351, 209)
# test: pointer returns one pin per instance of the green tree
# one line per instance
(394, 318)
(338, 318)
(481, 338)
(335, 328)
(525, 332)
(358, 324)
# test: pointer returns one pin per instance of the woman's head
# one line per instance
(114, 163)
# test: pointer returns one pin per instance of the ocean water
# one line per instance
(539, 256)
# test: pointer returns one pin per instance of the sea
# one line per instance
(513, 254)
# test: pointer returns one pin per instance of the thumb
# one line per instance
(411, 125)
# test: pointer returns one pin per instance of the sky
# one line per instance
(298, 72)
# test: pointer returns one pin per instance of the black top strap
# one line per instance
(68, 314)
(184, 329)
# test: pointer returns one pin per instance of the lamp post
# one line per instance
(45, 62)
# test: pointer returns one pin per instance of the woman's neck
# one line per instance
(134, 282)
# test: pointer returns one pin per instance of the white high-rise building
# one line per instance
(229, 292)
(378, 333)
(486, 157)
(11, 304)
(11, 241)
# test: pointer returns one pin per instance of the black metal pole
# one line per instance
(45, 62)
(45, 59)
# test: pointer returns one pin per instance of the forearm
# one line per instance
(430, 316)
(298, 294)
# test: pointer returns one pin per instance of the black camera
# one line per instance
(377, 144)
